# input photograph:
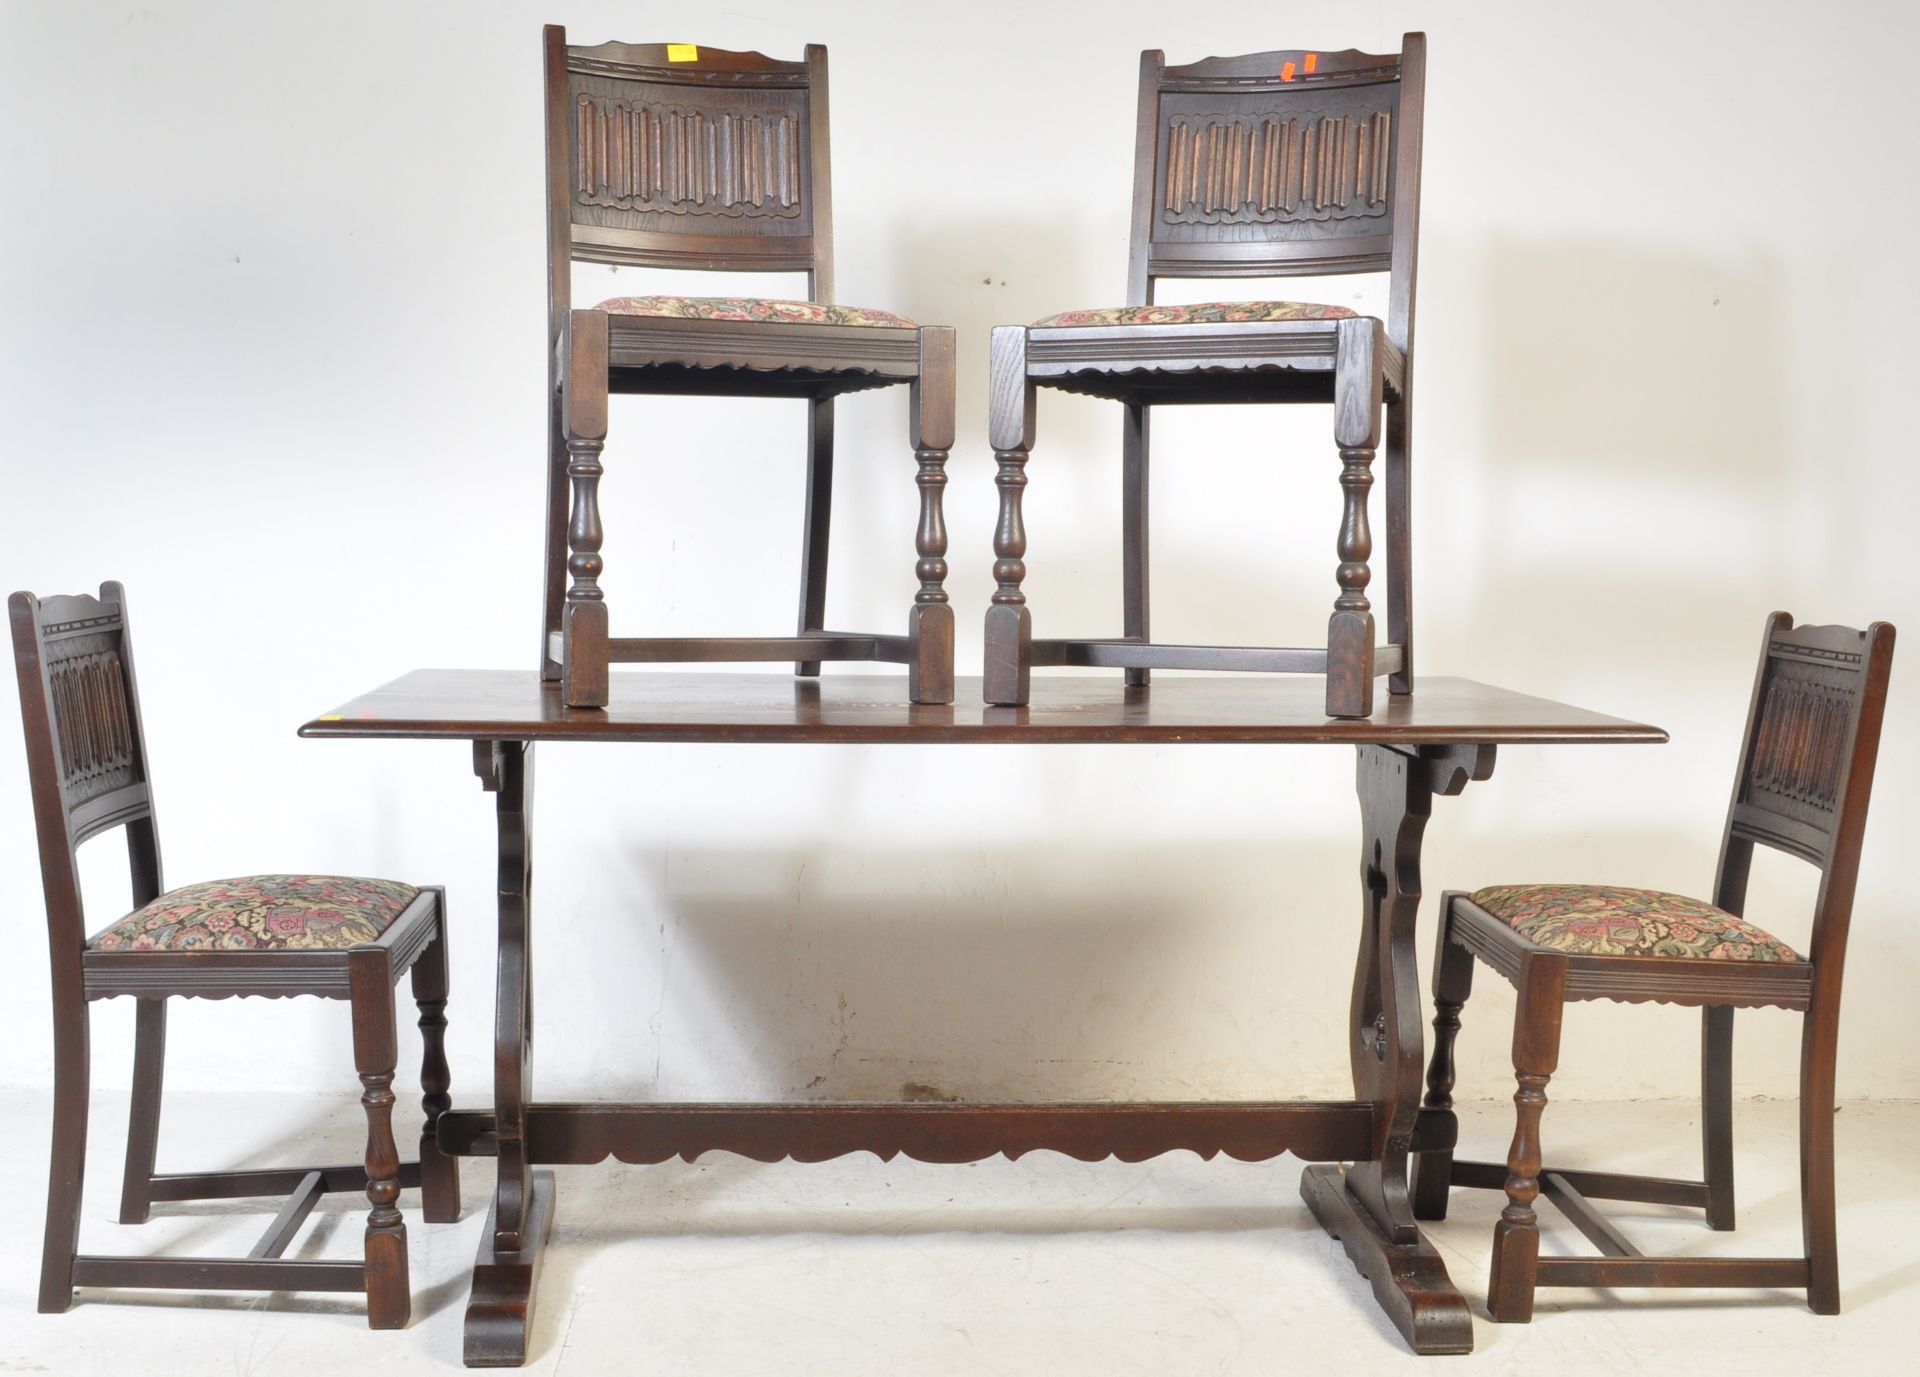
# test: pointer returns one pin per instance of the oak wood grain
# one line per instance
(470, 704)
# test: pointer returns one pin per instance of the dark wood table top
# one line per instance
(514, 705)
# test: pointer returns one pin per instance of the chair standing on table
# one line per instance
(1274, 164)
(678, 156)
(272, 936)
(1806, 771)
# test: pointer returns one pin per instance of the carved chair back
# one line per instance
(670, 155)
(86, 752)
(1806, 768)
(1281, 164)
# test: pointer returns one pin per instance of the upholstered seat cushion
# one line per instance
(1604, 920)
(262, 913)
(752, 308)
(1202, 313)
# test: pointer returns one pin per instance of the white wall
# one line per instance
(271, 354)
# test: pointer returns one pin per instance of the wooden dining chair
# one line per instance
(1274, 164)
(687, 157)
(268, 936)
(1806, 770)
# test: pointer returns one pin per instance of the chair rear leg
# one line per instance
(818, 525)
(1817, 1054)
(439, 1173)
(143, 1119)
(1536, 1052)
(1452, 984)
(1135, 485)
(1716, 1114)
(67, 1173)
(375, 1053)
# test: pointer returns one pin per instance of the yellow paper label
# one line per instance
(683, 52)
(331, 717)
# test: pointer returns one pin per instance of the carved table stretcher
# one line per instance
(1432, 742)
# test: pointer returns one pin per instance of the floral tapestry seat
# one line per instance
(753, 308)
(262, 913)
(1200, 313)
(1604, 920)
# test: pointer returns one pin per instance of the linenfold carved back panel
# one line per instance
(90, 704)
(679, 160)
(1797, 760)
(1288, 157)
(95, 732)
(693, 159)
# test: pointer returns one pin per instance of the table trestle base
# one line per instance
(500, 1306)
(1409, 1280)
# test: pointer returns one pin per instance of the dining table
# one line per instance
(1430, 742)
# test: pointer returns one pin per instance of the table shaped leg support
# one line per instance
(1367, 1206)
(500, 1306)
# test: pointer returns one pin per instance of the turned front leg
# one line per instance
(1452, 984)
(1359, 390)
(439, 1173)
(583, 661)
(931, 420)
(1536, 1054)
(375, 1053)
(1009, 631)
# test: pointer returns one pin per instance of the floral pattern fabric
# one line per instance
(752, 308)
(1203, 313)
(262, 913)
(1603, 920)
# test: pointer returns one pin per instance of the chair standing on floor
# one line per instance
(678, 156)
(1269, 165)
(1806, 770)
(273, 936)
